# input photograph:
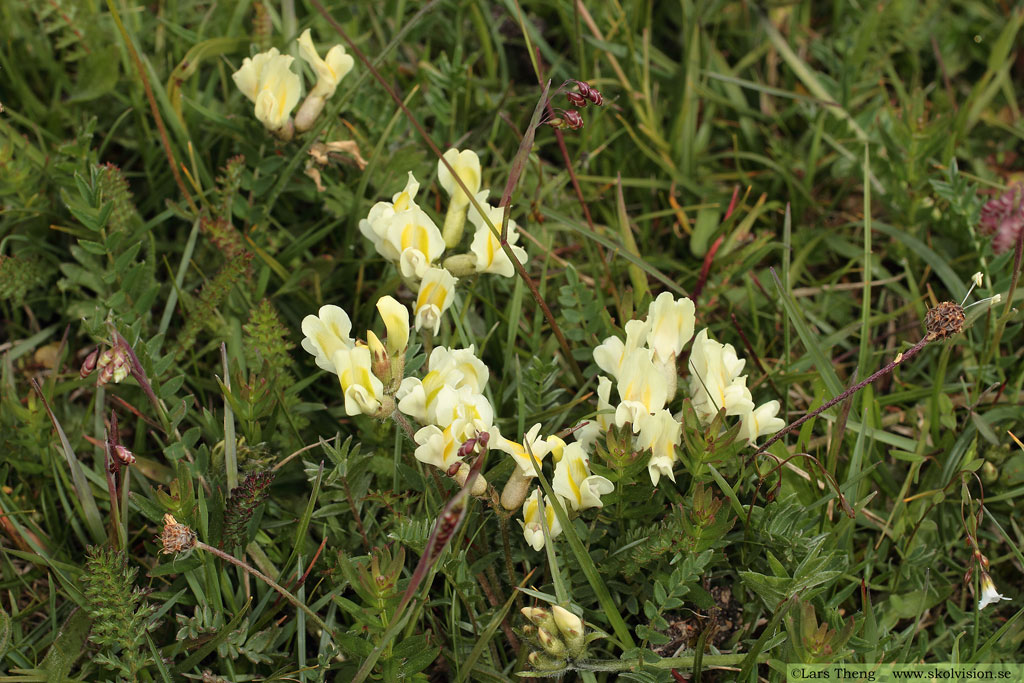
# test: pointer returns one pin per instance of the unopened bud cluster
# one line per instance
(559, 636)
(114, 364)
(584, 94)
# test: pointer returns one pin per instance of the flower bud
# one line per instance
(123, 455)
(571, 628)
(89, 364)
(461, 265)
(552, 645)
(540, 617)
(479, 484)
(576, 99)
(113, 365)
(573, 119)
(516, 488)
(380, 363)
(542, 662)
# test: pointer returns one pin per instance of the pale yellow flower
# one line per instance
(612, 352)
(375, 226)
(536, 519)
(486, 247)
(270, 84)
(538, 447)
(574, 483)
(760, 421)
(437, 447)
(715, 380)
(396, 320)
(325, 334)
(660, 433)
(412, 235)
(437, 290)
(329, 70)
(989, 594)
(467, 166)
(642, 388)
(671, 323)
(364, 392)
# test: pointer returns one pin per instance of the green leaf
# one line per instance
(67, 647)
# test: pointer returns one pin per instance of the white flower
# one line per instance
(434, 298)
(574, 483)
(715, 380)
(661, 433)
(760, 421)
(325, 334)
(364, 393)
(467, 167)
(672, 323)
(535, 519)
(486, 247)
(330, 70)
(989, 594)
(270, 84)
(538, 447)
(612, 352)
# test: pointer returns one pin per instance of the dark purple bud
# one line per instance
(576, 99)
(573, 119)
(584, 88)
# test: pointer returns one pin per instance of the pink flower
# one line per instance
(1003, 218)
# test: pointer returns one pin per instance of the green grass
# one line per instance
(811, 174)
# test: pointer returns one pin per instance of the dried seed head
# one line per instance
(176, 537)
(944, 320)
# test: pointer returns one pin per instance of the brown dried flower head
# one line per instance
(944, 320)
(176, 537)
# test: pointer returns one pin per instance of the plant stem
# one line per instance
(885, 370)
(270, 582)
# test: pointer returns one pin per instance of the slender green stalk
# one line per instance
(270, 582)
